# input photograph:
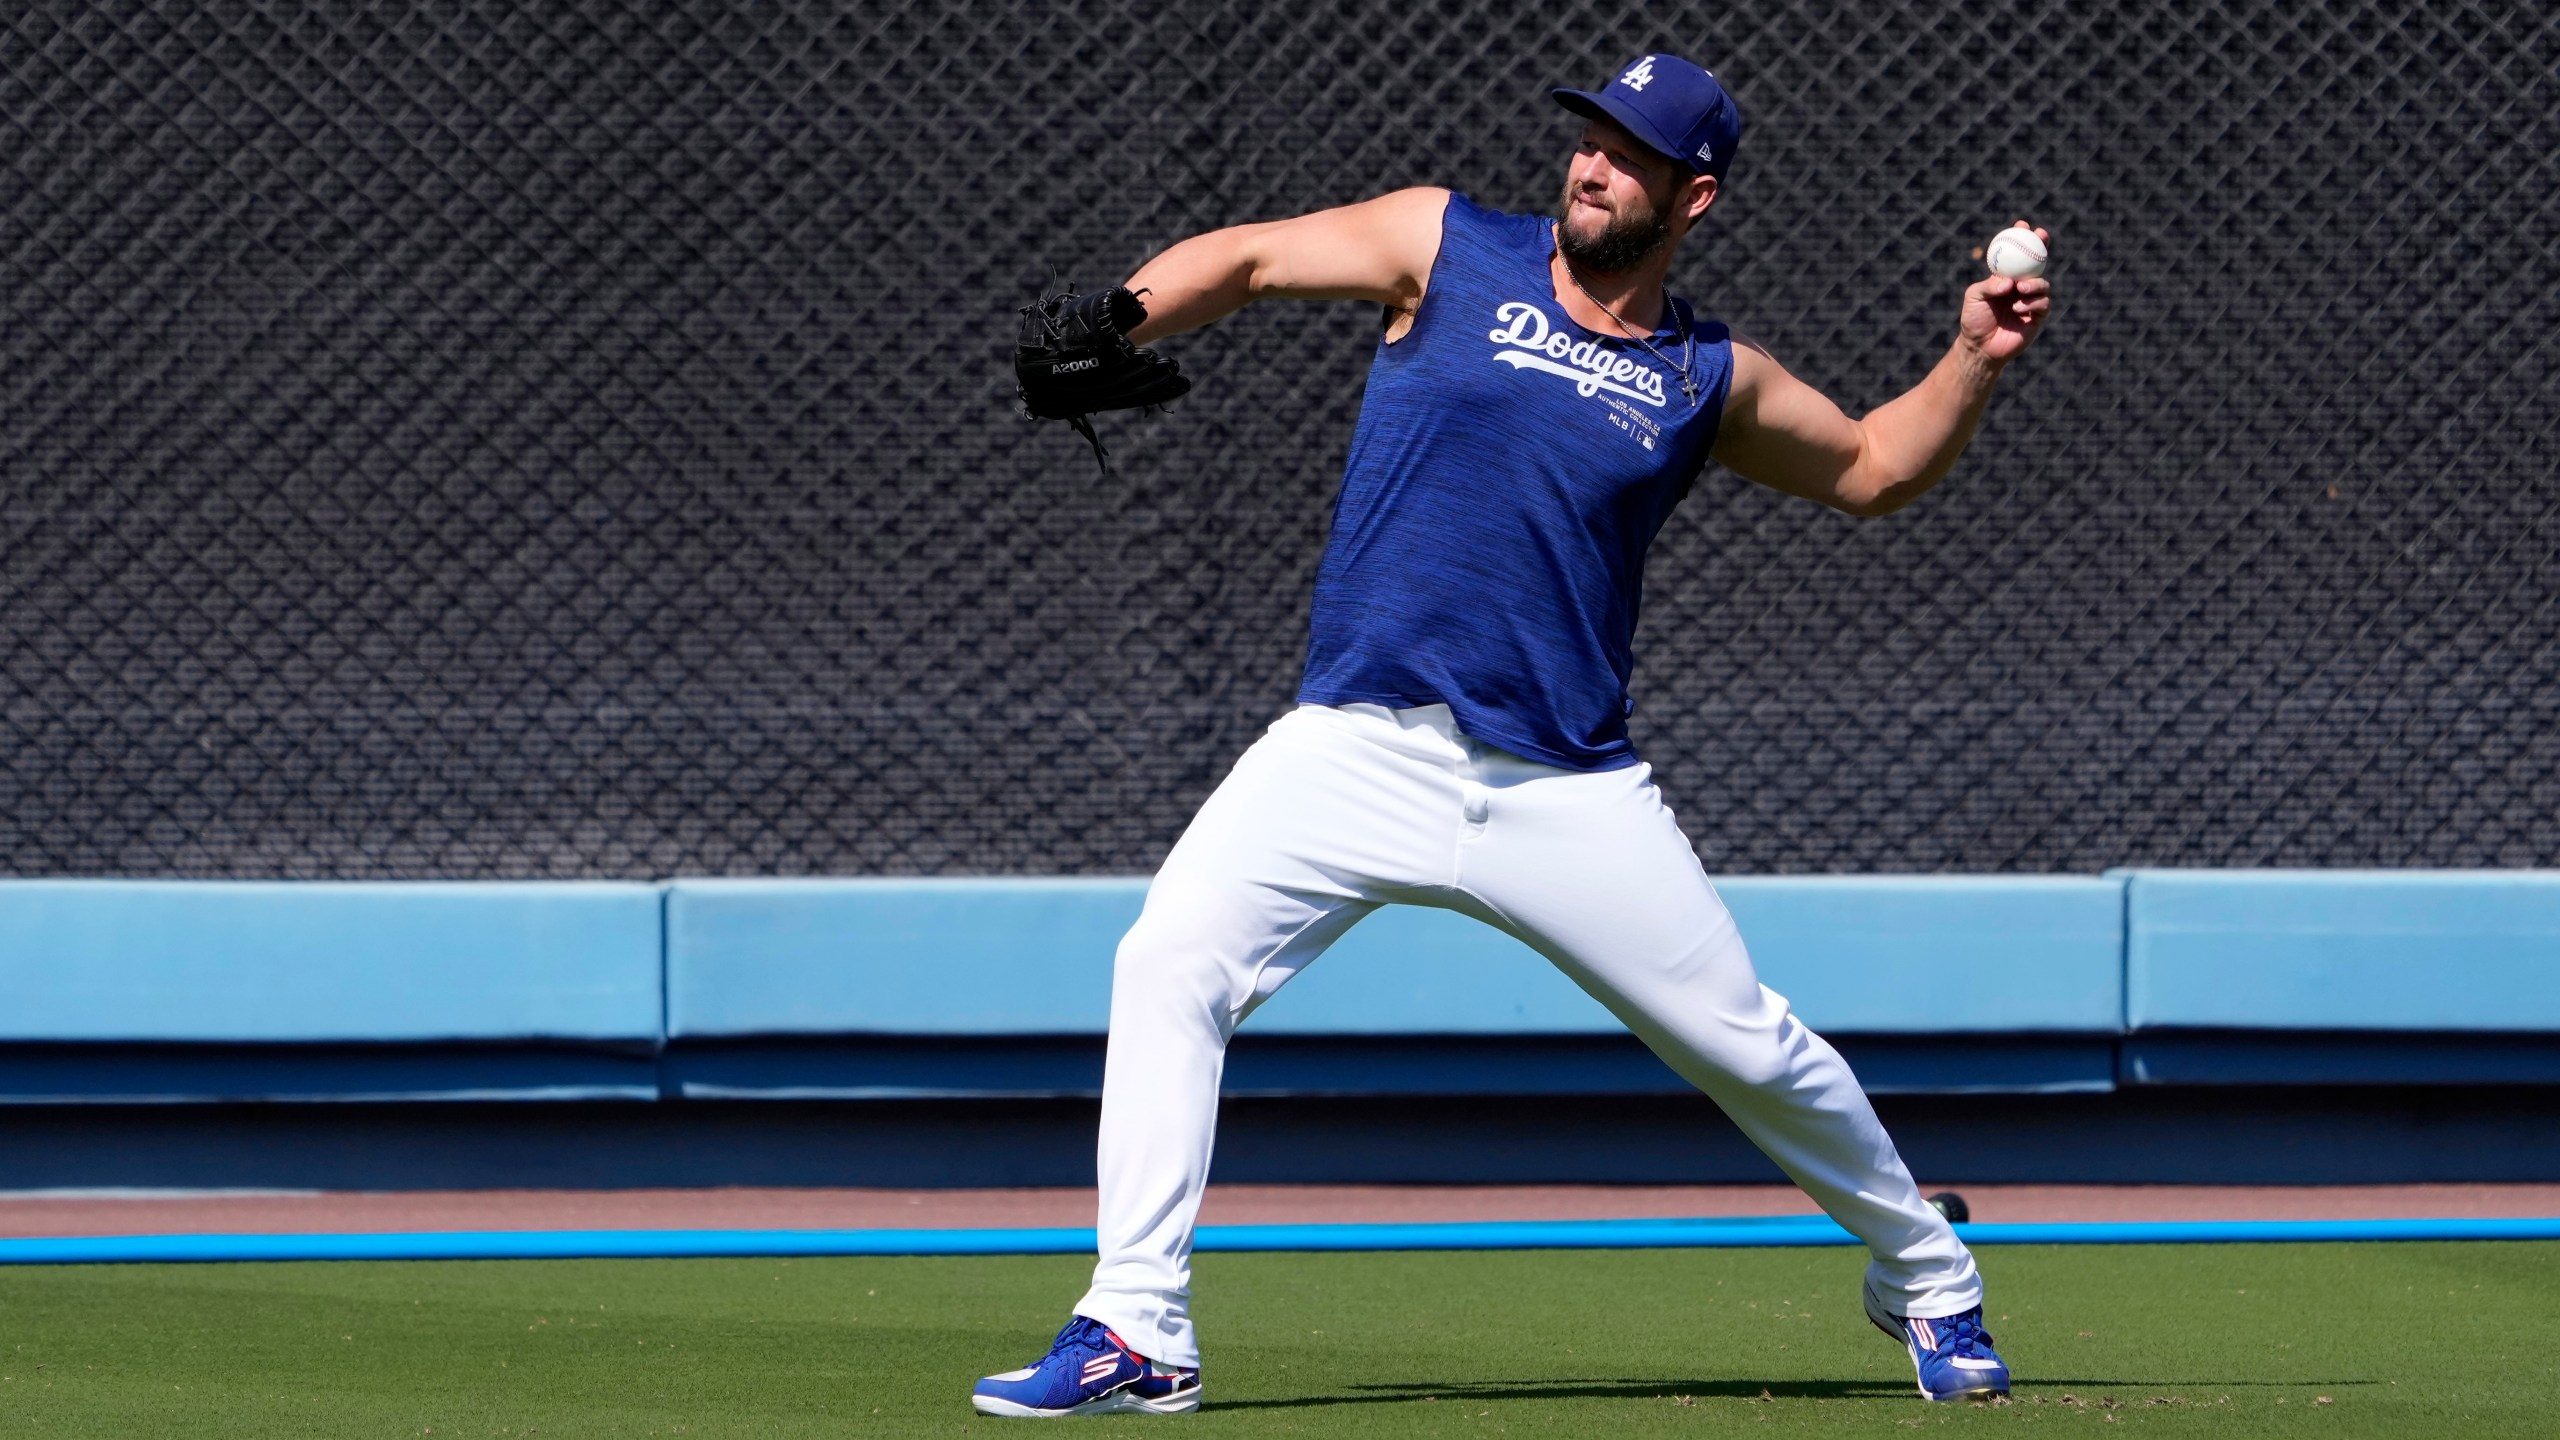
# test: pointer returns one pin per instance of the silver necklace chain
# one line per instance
(1689, 350)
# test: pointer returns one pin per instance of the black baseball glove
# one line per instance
(1074, 358)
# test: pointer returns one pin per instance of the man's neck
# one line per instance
(1636, 294)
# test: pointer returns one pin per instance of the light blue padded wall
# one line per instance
(1939, 954)
(1933, 954)
(266, 961)
(2345, 949)
(253, 961)
(940, 956)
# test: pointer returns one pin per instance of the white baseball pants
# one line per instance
(1336, 811)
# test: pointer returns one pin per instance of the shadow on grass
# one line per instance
(2039, 1382)
(1590, 1389)
(1727, 1389)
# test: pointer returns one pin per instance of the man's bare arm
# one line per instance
(1780, 432)
(1379, 250)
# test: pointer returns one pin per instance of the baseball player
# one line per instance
(1538, 404)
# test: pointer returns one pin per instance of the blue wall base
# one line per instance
(959, 1066)
(1723, 1233)
(93, 1073)
(2276, 1057)
(879, 1067)
(2236, 1135)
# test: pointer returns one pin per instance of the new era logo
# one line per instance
(1638, 75)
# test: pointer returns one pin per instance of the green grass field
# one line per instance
(2320, 1340)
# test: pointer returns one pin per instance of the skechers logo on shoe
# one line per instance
(1591, 366)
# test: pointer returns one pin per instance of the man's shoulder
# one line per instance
(1464, 205)
(1708, 329)
(1478, 221)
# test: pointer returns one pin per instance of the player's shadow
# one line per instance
(1412, 1393)
(1595, 1388)
(2041, 1382)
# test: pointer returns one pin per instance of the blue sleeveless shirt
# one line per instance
(1509, 470)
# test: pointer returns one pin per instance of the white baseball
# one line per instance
(2016, 253)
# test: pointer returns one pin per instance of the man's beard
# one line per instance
(1626, 242)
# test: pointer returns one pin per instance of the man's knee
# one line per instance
(1167, 969)
(1760, 1061)
(1771, 1056)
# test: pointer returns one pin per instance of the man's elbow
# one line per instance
(1866, 495)
(1863, 500)
(1877, 507)
(1863, 492)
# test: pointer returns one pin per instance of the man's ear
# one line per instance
(1697, 196)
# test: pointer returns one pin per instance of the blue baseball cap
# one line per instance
(1671, 105)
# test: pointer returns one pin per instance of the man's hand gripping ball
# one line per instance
(2003, 313)
(1074, 358)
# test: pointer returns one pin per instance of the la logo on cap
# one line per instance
(1638, 75)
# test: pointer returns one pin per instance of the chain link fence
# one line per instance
(504, 438)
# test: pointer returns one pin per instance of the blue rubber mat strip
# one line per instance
(1725, 1232)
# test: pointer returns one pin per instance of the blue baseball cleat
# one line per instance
(1089, 1371)
(1952, 1353)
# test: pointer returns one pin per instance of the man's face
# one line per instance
(1621, 200)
